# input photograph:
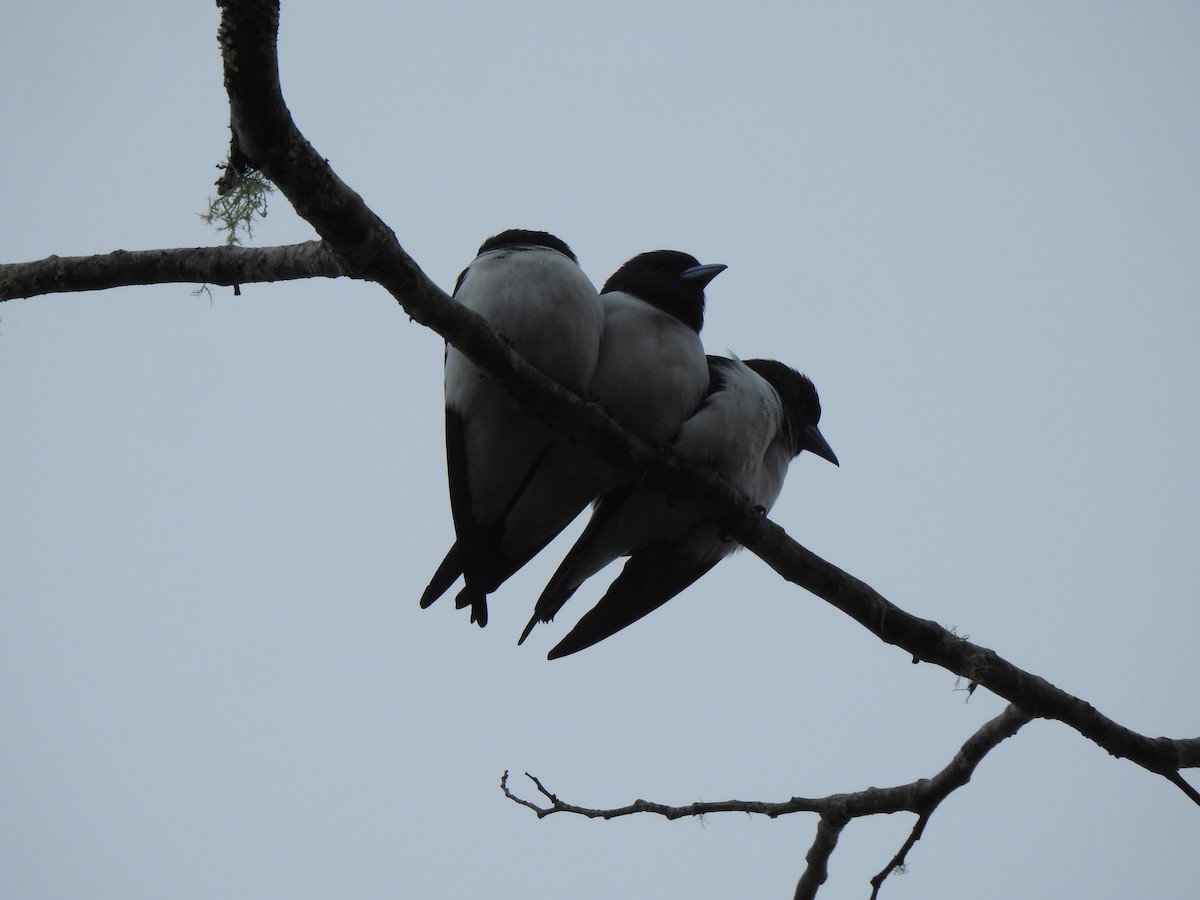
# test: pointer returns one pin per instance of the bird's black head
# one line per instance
(801, 405)
(521, 237)
(518, 239)
(669, 280)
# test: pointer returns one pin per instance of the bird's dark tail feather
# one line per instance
(559, 590)
(478, 604)
(447, 573)
(465, 525)
(649, 579)
(484, 565)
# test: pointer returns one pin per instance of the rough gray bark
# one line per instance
(227, 266)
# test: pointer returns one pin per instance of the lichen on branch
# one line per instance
(240, 202)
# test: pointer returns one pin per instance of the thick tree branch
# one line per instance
(829, 829)
(196, 265)
(921, 797)
(928, 642)
(266, 138)
(356, 243)
(359, 244)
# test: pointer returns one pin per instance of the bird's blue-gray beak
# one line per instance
(703, 274)
(815, 442)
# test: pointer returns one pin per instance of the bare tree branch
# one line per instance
(921, 797)
(196, 265)
(957, 774)
(266, 138)
(829, 829)
(357, 243)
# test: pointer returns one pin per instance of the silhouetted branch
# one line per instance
(829, 829)
(1178, 780)
(921, 797)
(358, 244)
(195, 265)
(954, 776)
(265, 137)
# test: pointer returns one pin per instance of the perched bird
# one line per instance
(757, 417)
(530, 289)
(651, 373)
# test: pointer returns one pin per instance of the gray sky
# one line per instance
(974, 225)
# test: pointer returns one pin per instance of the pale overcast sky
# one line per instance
(975, 226)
